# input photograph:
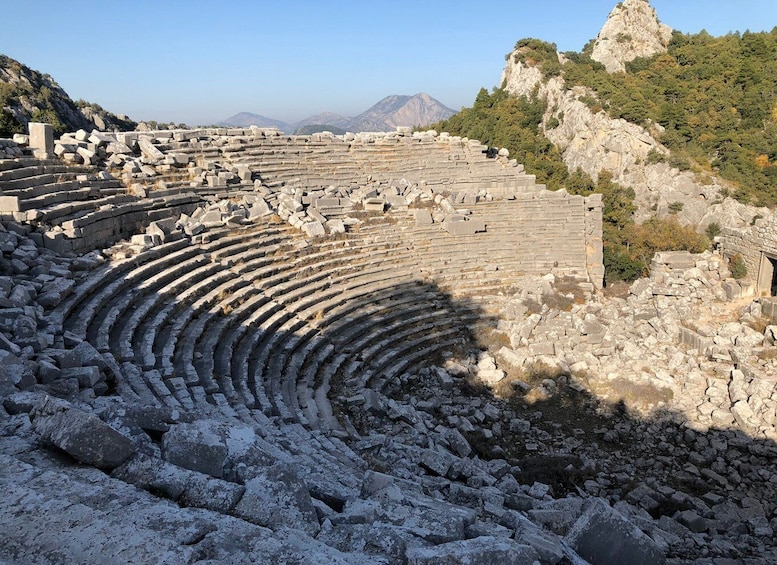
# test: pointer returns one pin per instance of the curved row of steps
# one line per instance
(258, 324)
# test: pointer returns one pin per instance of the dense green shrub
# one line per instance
(500, 120)
(712, 230)
(737, 267)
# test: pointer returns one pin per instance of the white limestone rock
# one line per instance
(278, 497)
(84, 436)
(592, 536)
(199, 446)
(632, 30)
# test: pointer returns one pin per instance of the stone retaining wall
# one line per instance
(756, 245)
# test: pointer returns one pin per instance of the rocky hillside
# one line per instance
(391, 112)
(577, 123)
(631, 31)
(27, 95)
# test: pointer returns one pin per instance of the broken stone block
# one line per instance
(463, 227)
(87, 376)
(15, 373)
(83, 436)
(41, 139)
(313, 229)
(187, 487)
(692, 521)
(548, 546)
(593, 535)
(197, 446)
(335, 226)
(55, 292)
(374, 204)
(22, 402)
(278, 497)
(423, 217)
(258, 209)
(149, 151)
(374, 538)
(458, 442)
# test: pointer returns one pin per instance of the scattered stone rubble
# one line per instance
(418, 462)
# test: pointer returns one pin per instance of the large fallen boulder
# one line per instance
(603, 536)
(83, 436)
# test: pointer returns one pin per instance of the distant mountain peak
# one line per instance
(632, 30)
(401, 110)
(246, 119)
(389, 113)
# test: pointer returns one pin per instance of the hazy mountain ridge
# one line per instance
(389, 113)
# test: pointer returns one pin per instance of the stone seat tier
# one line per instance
(31, 168)
(62, 211)
(252, 342)
(304, 291)
(164, 287)
(138, 334)
(102, 276)
(35, 184)
(100, 328)
(377, 338)
(114, 287)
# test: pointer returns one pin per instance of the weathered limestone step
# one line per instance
(107, 292)
(103, 275)
(140, 343)
(255, 362)
(28, 168)
(369, 347)
(397, 357)
(101, 329)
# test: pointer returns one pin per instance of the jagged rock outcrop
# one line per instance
(632, 30)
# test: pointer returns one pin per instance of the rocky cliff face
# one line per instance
(27, 95)
(592, 141)
(631, 31)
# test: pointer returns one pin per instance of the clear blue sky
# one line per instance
(200, 61)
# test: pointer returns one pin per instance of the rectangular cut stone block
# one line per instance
(313, 229)
(423, 217)
(149, 151)
(468, 227)
(84, 436)
(9, 204)
(41, 139)
(374, 204)
(327, 202)
(259, 208)
(397, 202)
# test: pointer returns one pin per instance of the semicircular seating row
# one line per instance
(254, 324)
